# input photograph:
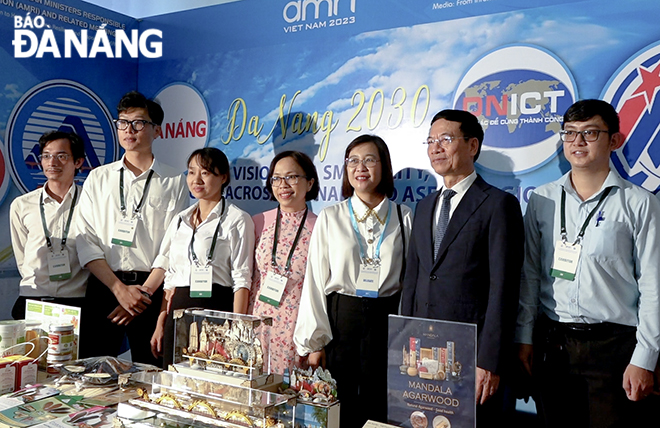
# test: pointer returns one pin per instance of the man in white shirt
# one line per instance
(41, 230)
(125, 208)
(589, 317)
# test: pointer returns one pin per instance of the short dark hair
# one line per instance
(214, 161)
(135, 99)
(386, 185)
(75, 142)
(584, 110)
(470, 126)
(307, 166)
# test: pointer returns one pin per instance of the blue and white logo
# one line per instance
(58, 105)
(633, 91)
(519, 93)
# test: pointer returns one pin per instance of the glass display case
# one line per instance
(175, 399)
(227, 347)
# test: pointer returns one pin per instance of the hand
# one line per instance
(487, 384)
(120, 316)
(157, 341)
(132, 299)
(637, 382)
(526, 356)
(316, 359)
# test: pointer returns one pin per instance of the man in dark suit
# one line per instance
(466, 252)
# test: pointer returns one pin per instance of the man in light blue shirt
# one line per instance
(589, 318)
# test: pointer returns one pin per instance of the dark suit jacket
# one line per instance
(477, 274)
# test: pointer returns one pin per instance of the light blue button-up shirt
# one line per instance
(618, 274)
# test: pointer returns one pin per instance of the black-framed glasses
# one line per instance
(589, 135)
(443, 140)
(369, 162)
(276, 181)
(137, 125)
(62, 157)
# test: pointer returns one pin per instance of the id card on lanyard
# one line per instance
(368, 281)
(124, 231)
(59, 266)
(566, 256)
(201, 276)
(274, 284)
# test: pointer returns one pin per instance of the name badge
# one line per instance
(201, 281)
(272, 288)
(59, 268)
(565, 261)
(367, 283)
(124, 232)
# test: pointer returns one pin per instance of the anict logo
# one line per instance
(519, 94)
(299, 10)
(58, 105)
(27, 44)
(633, 91)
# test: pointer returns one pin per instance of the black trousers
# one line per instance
(357, 355)
(578, 376)
(18, 311)
(222, 299)
(101, 337)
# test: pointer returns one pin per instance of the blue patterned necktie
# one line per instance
(442, 221)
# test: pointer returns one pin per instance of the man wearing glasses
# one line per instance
(589, 318)
(125, 208)
(42, 236)
(466, 253)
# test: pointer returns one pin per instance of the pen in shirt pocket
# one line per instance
(600, 217)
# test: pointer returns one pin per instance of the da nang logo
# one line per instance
(58, 105)
(633, 91)
(520, 94)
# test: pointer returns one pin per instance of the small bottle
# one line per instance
(60, 346)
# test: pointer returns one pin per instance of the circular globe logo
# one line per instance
(58, 105)
(633, 91)
(519, 94)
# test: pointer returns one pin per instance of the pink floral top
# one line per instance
(282, 349)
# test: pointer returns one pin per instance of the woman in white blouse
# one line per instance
(211, 245)
(353, 282)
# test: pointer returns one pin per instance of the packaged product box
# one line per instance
(317, 415)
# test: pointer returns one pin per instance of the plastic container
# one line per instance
(12, 332)
(60, 346)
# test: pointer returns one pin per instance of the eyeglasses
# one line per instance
(62, 157)
(289, 179)
(137, 125)
(443, 140)
(589, 135)
(369, 162)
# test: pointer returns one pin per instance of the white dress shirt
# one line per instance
(31, 251)
(618, 272)
(461, 189)
(100, 210)
(234, 249)
(333, 263)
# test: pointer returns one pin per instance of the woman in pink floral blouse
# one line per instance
(281, 251)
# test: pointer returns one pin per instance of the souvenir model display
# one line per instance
(186, 399)
(430, 363)
(316, 387)
(228, 344)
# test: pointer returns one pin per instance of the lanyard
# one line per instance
(68, 221)
(295, 240)
(209, 256)
(363, 257)
(586, 221)
(121, 193)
